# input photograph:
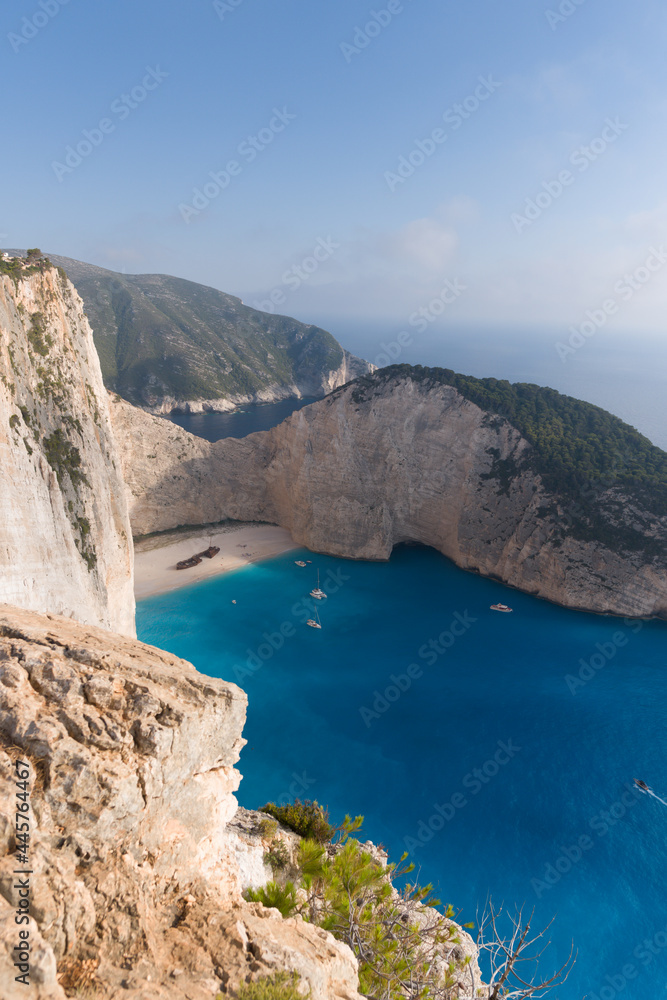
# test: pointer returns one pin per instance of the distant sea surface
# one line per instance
(624, 375)
(621, 372)
(503, 760)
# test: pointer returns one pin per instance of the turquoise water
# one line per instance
(500, 775)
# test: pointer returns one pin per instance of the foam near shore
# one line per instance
(155, 557)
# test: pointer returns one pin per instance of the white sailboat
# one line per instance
(317, 592)
(315, 622)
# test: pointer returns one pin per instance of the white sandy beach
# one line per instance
(155, 558)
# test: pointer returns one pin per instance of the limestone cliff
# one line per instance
(136, 870)
(314, 384)
(405, 460)
(65, 542)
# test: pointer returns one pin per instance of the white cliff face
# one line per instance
(65, 538)
(355, 476)
(350, 368)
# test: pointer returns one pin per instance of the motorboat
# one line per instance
(500, 607)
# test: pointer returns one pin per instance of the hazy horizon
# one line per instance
(351, 159)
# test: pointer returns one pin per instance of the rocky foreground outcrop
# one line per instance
(403, 460)
(65, 537)
(135, 862)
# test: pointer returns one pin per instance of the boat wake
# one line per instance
(650, 792)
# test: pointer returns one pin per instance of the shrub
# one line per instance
(38, 339)
(279, 986)
(274, 895)
(277, 855)
(308, 819)
(405, 947)
(398, 944)
(267, 828)
(64, 458)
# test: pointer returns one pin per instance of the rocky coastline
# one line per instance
(409, 462)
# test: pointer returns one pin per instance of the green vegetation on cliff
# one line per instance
(158, 336)
(308, 819)
(21, 267)
(406, 943)
(278, 986)
(343, 887)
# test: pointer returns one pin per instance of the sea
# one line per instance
(498, 749)
(238, 423)
(622, 373)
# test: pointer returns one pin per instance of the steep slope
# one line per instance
(166, 344)
(135, 871)
(402, 455)
(65, 542)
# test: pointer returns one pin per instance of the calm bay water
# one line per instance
(499, 775)
(239, 423)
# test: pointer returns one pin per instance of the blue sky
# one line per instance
(353, 105)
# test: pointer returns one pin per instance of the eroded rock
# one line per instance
(137, 872)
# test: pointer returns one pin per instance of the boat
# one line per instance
(500, 607)
(315, 622)
(187, 563)
(299, 562)
(642, 784)
(211, 551)
(317, 592)
(194, 560)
